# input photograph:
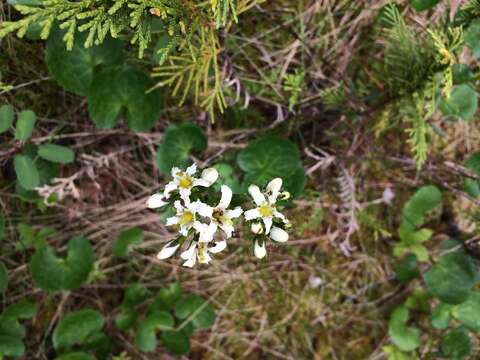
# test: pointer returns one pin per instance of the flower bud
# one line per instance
(210, 175)
(284, 195)
(257, 228)
(259, 250)
(278, 234)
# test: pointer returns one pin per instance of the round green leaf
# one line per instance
(74, 69)
(145, 336)
(6, 117)
(472, 37)
(27, 173)
(441, 316)
(171, 294)
(122, 88)
(11, 346)
(56, 153)
(135, 294)
(121, 246)
(53, 273)
(202, 313)
(10, 318)
(472, 186)
(422, 5)
(3, 277)
(468, 312)
(452, 278)
(177, 342)
(462, 73)
(269, 157)
(425, 200)
(75, 356)
(179, 141)
(456, 344)
(407, 269)
(25, 124)
(462, 103)
(75, 328)
(126, 318)
(404, 337)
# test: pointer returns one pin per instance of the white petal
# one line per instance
(178, 206)
(156, 201)
(174, 220)
(256, 228)
(268, 224)
(227, 229)
(201, 208)
(259, 250)
(278, 234)
(175, 171)
(190, 263)
(256, 194)
(226, 197)
(219, 246)
(167, 251)
(279, 215)
(203, 256)
(235, 213)
(190, 253)
(206, 232)
(252, 214)
(192, 169)
(184, 229)
(210, 175)
(169, 188)
(273, 188)
(185, 194)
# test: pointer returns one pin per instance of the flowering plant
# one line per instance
(204, 228)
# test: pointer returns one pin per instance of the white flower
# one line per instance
(278, 234)
(200, 251)
(265, 209)
(168, 250)
(156, 201)
(184, 181)
(259, 250)
(186, 216)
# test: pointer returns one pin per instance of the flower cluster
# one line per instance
(204, 229)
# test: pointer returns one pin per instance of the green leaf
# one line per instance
(425, 200)
(27, 173)
(468, 312)
(75, 328)
(2, 227)
(135, 294)
(179, 141)
(25, 2)
(115, 89)
(145, 336)
(226, 176)
(462, 73)
(407, 270)
(25, 124)
(74, 69)
(411, 241)
(10, 318)
(177, 342)
(75, 356)
(56, 153)
(202, 313)
(404, 337)
(121, 246)
(472, 186)
(462, 103)
(3, 277)
(452, 278)
(456, 344)
(53, 273)
(269, 157)
(396, 354)
(422, 5)
(11, 346)
(441, 316)
(6, 117)
(171, 294)
(472, 37)
(126, 318)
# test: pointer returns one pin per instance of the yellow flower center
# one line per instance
(265, 210)
(185, 182)
(187, 217)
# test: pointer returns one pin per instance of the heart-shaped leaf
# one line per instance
(27, 173)
(121, 246)
(404, 337)
(452, 278)
(6, 117)
(425, 200)
(145, 336)
(11, 346)
(177, 342)
(468, 312)
(75, 328)
(25, 124)
(456, 344)
(441, 316)
(178, 142)
(462, 103)
(56, 153)
(269, 157)
(115, 89)
(53, 273)
(202, 313)
(10, 318)
(74, 69)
